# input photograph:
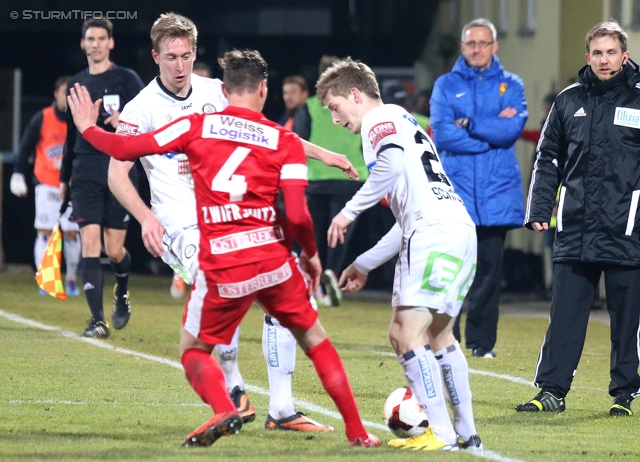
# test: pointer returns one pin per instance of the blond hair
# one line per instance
(345, 74)
(172, 26)
(607, 29)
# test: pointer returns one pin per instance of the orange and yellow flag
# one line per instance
(48, 276)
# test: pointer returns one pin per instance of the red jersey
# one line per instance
(238, 160)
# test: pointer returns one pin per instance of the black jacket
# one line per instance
(590, 148)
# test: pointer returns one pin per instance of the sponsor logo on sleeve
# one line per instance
(125, 128)
(231, 128)
(380, 131)
(627, 117)
(171, 133)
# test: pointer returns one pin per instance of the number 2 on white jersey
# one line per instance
(226, 181)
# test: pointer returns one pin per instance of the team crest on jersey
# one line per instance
(168, 117)
(503, 88)
(208, 108)
(381, 130)
(111, 103)
(125, 128)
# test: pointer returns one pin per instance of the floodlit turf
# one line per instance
(66, 399)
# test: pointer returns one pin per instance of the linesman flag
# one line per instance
(48, 276)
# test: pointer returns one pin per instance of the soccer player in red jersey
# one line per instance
(245, 248)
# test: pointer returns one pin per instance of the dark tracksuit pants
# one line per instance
(574, 285)
(481, 330)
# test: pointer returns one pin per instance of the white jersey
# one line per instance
(405, 168)
(173, 198)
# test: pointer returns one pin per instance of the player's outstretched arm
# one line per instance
(330, 159)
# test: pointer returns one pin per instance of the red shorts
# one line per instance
(220, 299)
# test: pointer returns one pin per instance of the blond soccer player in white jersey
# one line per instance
(436, 242)
(169, 227)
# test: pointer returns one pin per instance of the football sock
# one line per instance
(72, 251)
(207, 380)
(279, 349)
(334, 379)
(455, 375)
(121, 272)
(228, 357)
(39, 248)
(423, 376)
(93, 284)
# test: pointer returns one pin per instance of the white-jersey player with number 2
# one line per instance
(436, 242)
(169, 228)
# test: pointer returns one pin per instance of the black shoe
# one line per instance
(621, 406)
(243, 405)
(482, 353)
(121, 310)
(474, 443)
(543, 401)
(97, 329)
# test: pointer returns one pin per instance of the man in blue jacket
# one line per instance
(478, 111)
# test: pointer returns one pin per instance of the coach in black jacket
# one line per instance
(590, 149)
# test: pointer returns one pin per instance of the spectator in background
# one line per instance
(478, 111)
(421, 104)
(589, 149)
(85, 169)
(328, 189)
(202, 69)
(395, 93)
(295, 92)
(43, 142)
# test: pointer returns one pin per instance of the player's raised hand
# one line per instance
(352, 280)
(84, 112)
(337, 229)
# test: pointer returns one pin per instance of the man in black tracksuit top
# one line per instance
(85, 170)
(590, 148)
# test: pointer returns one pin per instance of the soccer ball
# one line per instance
(403, 414)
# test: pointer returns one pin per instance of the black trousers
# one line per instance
(323, 206)
(574, 286)
(481, 330)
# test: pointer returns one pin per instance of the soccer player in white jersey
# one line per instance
(436, 242)
(169, 228)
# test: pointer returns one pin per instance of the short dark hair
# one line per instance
(102, 23)
(199, 65)
(60, 81)
(243, 70)
(298, 80)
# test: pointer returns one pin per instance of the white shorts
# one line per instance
(48, 208)
(436, 267)
(181, 252)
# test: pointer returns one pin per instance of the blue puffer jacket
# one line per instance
(481, 161)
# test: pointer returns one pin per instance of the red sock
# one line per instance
(206, 378)
(334, 380)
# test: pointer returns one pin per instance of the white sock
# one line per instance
(39, 248)
(228, 357)
(72, 250)
(455, 375)
(279, 349)
(423, 376)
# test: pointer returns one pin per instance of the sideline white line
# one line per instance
(510, 378)
(486, 454)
